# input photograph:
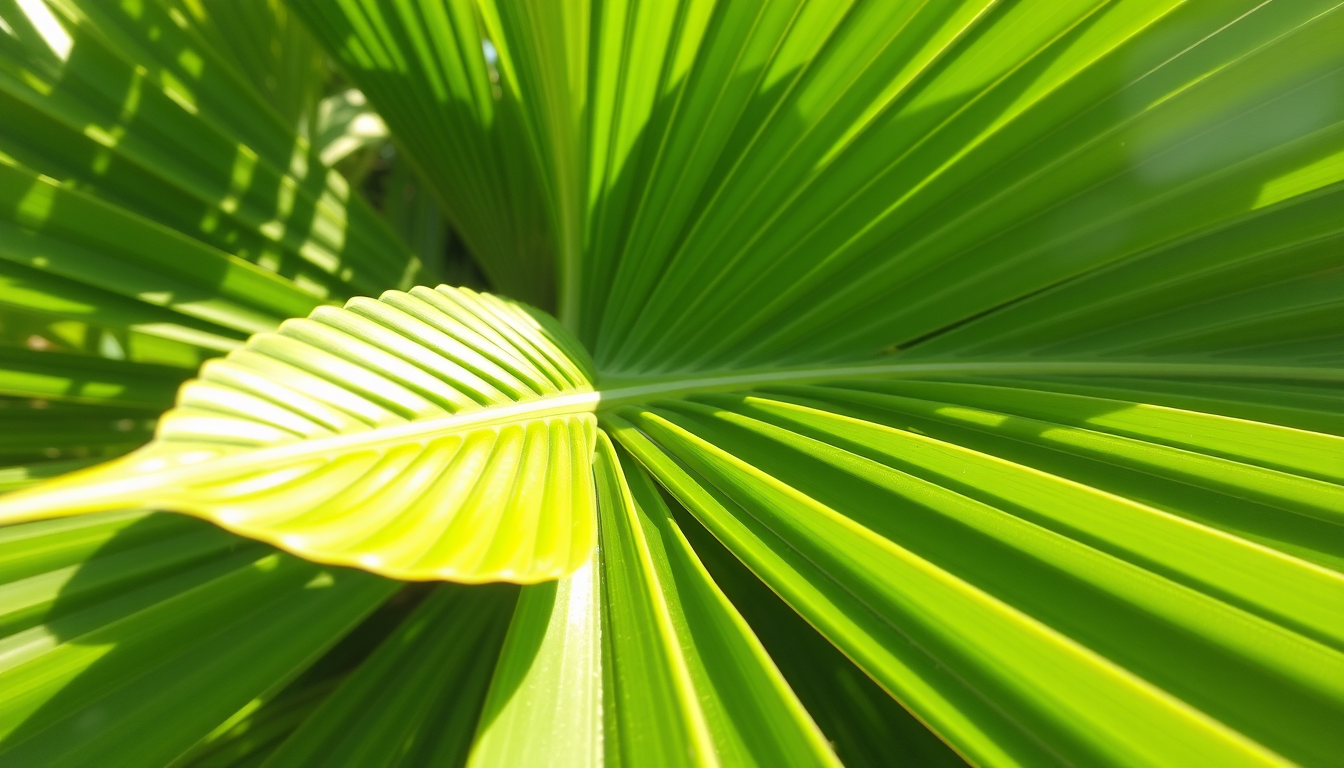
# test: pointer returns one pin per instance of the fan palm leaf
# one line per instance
(964, 370)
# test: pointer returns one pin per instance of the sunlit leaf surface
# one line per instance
(964, 384)
(426, 435)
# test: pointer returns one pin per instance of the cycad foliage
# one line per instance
(929, 383)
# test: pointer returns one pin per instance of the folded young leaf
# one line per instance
(436, 434)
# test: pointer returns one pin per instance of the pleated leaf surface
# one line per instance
(965, 385)
(1042, 577)
(436, 434)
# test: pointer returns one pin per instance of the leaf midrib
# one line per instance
(627, 391)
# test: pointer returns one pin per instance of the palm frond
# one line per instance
(964, 380)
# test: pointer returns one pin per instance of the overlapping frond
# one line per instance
(134, 105)
(679, 654)
(792, 182)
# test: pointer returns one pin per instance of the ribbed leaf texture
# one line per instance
(427, 435)
(1119, 591)
(964, 388)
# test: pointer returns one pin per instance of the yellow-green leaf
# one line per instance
(436, 434)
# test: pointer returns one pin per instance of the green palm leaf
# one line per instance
(967, 369)
(921, 523)
(139, 109)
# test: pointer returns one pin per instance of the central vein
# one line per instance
(628, 392)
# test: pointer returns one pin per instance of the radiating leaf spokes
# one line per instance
(1042, 577)
(435, 434)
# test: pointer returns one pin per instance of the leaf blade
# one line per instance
(329, 440)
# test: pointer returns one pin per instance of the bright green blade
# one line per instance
(1136, 586)
(121, 624)
(1300, 408)
(1254, 288)
(675, 677)
(414, 701)
(1276, 451)
(545, 704)
(791, 182)
(689, 682)
(1250, 575)
(862, 722)
(429, 435)
(921, 683)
